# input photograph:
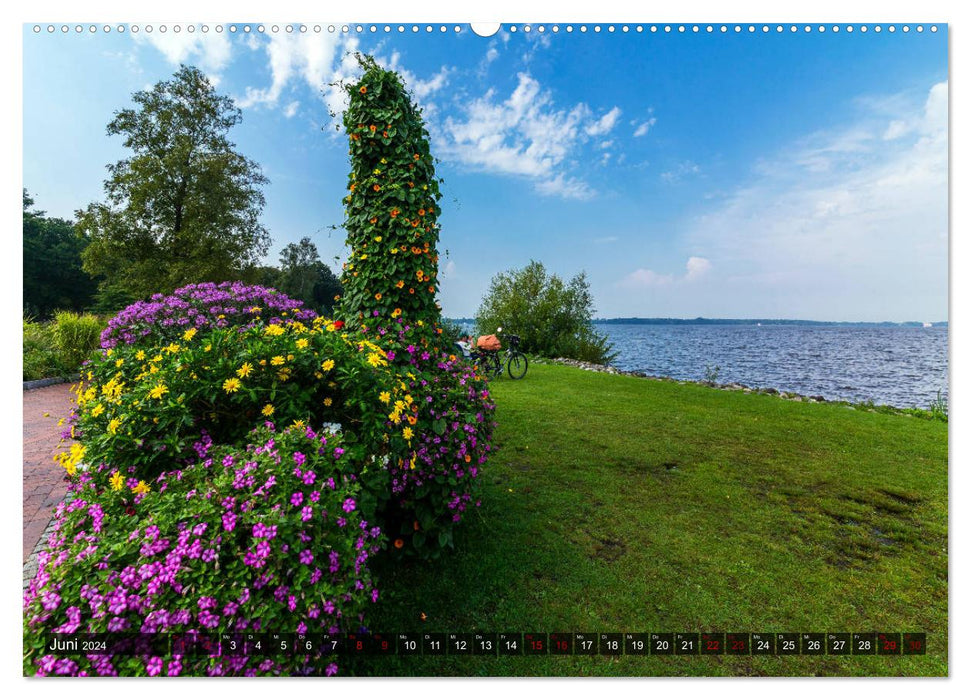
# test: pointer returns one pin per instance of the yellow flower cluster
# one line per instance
(71, 458)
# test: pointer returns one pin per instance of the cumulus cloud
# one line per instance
(566, 188)
(525, 135)
(291, 109)
(321, 62)
(211, 51)
(604, 124)
(421, 89)
(696, 267)
(642, 128)
(293, 57)
(641, 278)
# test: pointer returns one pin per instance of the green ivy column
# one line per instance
(391, 210)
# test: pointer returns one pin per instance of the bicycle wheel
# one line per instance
(488, 365)
(517, 365)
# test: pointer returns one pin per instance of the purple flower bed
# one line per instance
(200, 306)
(266, 538)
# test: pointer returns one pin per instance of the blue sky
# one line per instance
(797, 175)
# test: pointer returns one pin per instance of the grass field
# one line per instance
(617, 504)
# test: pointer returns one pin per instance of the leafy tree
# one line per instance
(551, 317)
(53, 278)
(265, 276)
(304, 276)
(185, 206)
(391, 212)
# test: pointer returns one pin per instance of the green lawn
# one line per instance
(617, 504)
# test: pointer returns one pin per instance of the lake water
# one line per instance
(898, 366)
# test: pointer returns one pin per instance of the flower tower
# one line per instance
(391, 209)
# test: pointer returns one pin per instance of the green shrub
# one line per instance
(552, 318)
(41, 360)
(587, 345)
(76, 337)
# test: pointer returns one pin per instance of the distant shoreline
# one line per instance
(636, 321)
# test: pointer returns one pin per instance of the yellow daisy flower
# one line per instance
(117, 481)
(158, 391)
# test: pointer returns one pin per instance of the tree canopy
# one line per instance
(185, 206)
(551, 317)
(53, 278)
(304, 276)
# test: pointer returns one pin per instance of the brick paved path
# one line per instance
(44, 484)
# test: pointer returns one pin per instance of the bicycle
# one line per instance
(492, 361)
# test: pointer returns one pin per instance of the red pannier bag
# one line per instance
(488, 342)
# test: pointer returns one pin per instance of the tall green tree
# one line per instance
(53, 278)
(391, 210)
(185, 206)
(304, 276)
(552, 317)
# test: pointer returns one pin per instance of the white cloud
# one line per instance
(604, 124)
(424, 88)
(293, 57)
(211, 52)
(347, 70)
(694, 269)
(421, 89)
(291, 109)
(895, 130)
(680, 171)
(565, 187)
(642, 128)
(849, 212)
(524, 135)
(449, 270)
(492, 54)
